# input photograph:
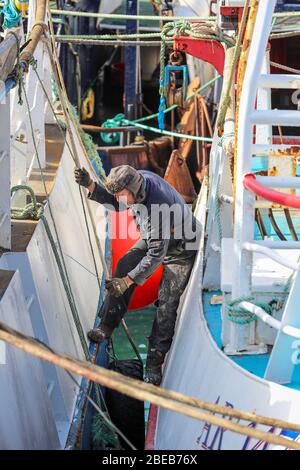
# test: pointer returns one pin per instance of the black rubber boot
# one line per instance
(100, 334)
(154, 364)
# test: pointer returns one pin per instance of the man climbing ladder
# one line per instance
(169, 235)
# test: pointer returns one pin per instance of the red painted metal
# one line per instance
(232, 11)
(286, 140)
(288, 200)
(208, 50)
(151, 428)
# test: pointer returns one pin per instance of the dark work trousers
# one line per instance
(174, 280)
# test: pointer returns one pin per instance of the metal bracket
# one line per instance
(208, 50)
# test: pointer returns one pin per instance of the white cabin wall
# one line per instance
(25, 409)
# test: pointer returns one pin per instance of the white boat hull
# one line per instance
(198, 368)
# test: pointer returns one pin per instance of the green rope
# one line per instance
(33, 210)
(224, 137)
(286, 14)
(114, 137)
(240, 315)
(90, 147)
(172, 134)
(109, 36)
(174, 28)
(120, 120)
(196, 31)
(237, 52)
(183, 28)
(54, 87)
(103, 436)
(130, 17)
(162, 99)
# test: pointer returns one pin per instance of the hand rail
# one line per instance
(269, 320)
(288, 200)
(249, 246)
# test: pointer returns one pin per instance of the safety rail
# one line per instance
(271, 254)
(267, 149)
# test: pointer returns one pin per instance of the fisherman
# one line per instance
(169, 236)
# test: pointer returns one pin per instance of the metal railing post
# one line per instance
(242, 336)
(5, 224)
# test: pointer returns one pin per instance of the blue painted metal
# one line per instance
(130, 85)
(256, 364)
(182, 81)
(10, 83)
(286, 5)
(182, 78)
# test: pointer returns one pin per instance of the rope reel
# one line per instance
(113, 137)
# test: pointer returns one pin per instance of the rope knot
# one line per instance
(34, 210)
(40, 24)
(242, 316)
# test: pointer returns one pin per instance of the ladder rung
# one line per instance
(279, 81)
(276, 117)
(279, 181)
(280, 150)
(278, 245)
(260, 248)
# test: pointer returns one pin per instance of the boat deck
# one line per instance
(254, 363)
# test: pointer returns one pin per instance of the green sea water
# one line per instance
(139, 323)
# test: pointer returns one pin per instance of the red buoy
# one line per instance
(124, 236)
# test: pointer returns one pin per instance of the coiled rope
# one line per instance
(242, 316)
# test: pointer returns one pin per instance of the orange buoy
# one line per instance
(125, 235)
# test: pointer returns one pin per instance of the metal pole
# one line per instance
(130, 85)
(5, 225)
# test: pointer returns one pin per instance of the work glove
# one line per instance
(116, 286)
(82, 177)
